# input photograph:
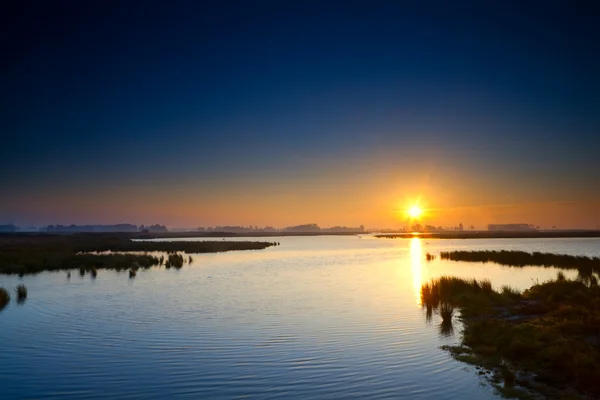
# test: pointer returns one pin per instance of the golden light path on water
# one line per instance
(416, 257)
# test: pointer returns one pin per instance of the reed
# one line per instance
(33, 253)
(545, 331)
(21, 293)
(522, 259)
(175, 260)
(4, 298)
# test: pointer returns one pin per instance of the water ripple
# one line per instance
(323, 318)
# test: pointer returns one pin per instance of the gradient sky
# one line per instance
(278, 113)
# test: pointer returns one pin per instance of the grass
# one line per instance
(585, 265)
(94, 273)
(132, 273)
(446, 312)
(430, 257)
(33, 253)
(546, 339)
(174, 260)
(4, 298)
(21, 293)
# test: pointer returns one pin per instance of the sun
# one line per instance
(415, 211)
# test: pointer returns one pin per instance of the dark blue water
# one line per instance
(317, 317)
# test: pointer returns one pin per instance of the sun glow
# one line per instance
(415, 211)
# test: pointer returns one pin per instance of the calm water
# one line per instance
(317, 317)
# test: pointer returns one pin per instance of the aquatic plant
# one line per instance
(446, 311)
(81, 271)
(510, 292)
(430, 257)
(94, 272)
(21, 293)
(28, 254)
(175, 260)
(547, 331)
(586, 265)
(132, 273)
(4, 298)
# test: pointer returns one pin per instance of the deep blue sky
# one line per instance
(106, 95)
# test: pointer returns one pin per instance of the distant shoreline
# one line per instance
(166, 235)
(494, 234)
(398, 235)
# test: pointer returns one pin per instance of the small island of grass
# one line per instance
(33, 253)
(542, 343)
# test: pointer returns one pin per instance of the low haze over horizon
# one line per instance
(276, 114)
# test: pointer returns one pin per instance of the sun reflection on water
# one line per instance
(416, 257)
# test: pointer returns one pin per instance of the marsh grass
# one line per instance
(94, 273)
(430, 257)
(446, 312)
(586, 265)
(174, 260)
(454, 290)
(21, 293)
(4, 298)
(33, 253)
(132, 273)
(81, 271)
(551, 330)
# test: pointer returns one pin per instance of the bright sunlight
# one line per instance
(415, 211)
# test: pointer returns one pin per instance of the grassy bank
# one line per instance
(33, 253)
(585, 265)
(493, 234)
(546, 339)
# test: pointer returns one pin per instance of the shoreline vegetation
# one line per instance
(33, 253)
(542, 343)
(586, 266)
(493, 234)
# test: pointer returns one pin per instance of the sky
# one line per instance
(190, 113)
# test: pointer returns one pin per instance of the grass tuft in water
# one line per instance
(446, 312)
(4, 298)
(175, 260)
(21, 293)
(94, 272)
(132, 273)
(430, 257)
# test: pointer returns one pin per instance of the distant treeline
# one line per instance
(131, 228)
(8, 228)
(102, 228)
(306, 228)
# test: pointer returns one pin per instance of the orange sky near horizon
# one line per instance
(329, 201)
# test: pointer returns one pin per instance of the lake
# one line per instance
(325, 317)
